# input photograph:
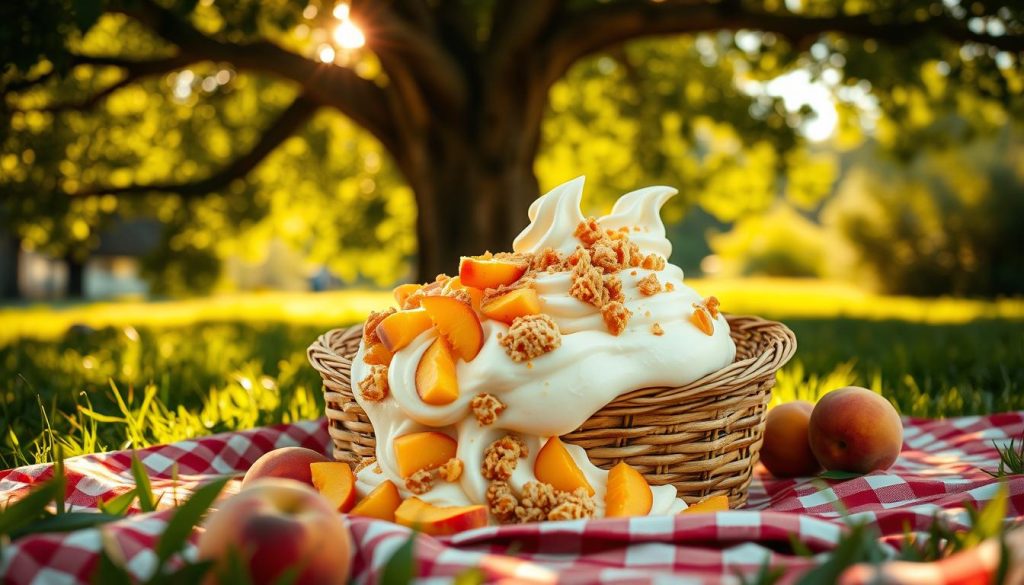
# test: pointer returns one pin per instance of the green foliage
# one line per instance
(950, 224)
(401, 567)
(781, 242)
(1011, 459)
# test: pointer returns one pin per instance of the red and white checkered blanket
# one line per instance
(940, 469)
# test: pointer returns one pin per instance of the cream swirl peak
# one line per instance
(469, 385)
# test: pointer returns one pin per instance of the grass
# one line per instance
(115, 375)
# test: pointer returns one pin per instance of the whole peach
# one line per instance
(287, 462)
(275, 525)
(786, 451)
(855, 429)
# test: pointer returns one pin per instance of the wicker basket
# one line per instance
(703, 438)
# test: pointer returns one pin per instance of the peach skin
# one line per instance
(855, 429)
(286, 462)
(484, 273)
(437, 520)
(786, 451)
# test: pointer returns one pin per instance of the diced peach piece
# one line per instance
(458, 324)
(377, 355)
(711, 504)
(518, 303)
(436, 381)
(336, 482)
(475, 294)
(403, 291)
(438, 520)
(381, 503)
(426, 450)
(397, 330)
(701, 319)
(628, 493)
(555, 466)
(489, 273)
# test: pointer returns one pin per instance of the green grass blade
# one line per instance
(180, 526)
(118, 505)
(31, 508)
(143, 487)
(67, 522)
(401, 567)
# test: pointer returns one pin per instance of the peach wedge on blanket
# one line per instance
(517, 303)
(439, 520)
(436, 381)
(380, 503)
(457, 323)
(628, 493)
(336, 482)
(709, 504)
(397, 330)
(484, 273)
(555, 466)
(426, 450)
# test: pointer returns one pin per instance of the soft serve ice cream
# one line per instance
(469, 385)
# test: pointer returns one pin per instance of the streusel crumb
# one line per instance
(657, 330)
(364, 463)
(451, 470)
(502, 456)
(420, 482)
(370, 328)
(531, 336)
(573, 506)
(587, 281)
(493, 293)
(669, 287)
(545, 259)
(588, 231)
(413, 300)
(616, 316)
(712, 304)
(649, 285)
(653, 262)
(604, 257)
(374, 387)
(486, 408)
(613, 289)
(501, 502)
(627, 253)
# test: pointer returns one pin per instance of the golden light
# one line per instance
(326, 53)
(348, 35)
(341, 11)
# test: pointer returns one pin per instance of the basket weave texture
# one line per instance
(703, 438)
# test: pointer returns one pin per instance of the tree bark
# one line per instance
(11, 249)
(76, 277)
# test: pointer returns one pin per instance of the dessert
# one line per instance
(521, 348)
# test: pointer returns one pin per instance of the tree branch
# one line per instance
(135, 70)
(516, 26)
(338, 87)
(287, 123)
(603, 26)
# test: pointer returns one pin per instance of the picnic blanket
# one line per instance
(942, 467)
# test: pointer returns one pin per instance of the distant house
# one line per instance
(112, 269)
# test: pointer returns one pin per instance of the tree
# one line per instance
(463, 87)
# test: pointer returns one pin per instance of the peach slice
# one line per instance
(458, 324)
(486, 273)
(397, 330)
(628, 493)
(476, 295)
(336, 482)
(377, 355)
(426, 450)
(701, 319)
(381, 503)
(709, 504)
(438, 520)
(436, 381)
(403, 291)
(518, 303)
(555, 466)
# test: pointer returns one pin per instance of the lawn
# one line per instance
(115, 375)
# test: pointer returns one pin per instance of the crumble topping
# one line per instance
(627, 252)
(531, 336)
(364, 463)
(372, 321)
(420, 482)
(711, 304)
(547, 260)
(669, 287)
(604, 257)
(649, 285)
(486, 408)
(451, 470)
(502, 456)
(657, 330)
(538, 502)
(653, 262)
(616, 316)
(588, 231)
(493, 293)
(413, 300)
(613, 289)
(374, 387)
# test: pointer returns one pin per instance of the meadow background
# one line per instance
(192, 191)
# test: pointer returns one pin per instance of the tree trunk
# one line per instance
(76, 277)
(10, 260)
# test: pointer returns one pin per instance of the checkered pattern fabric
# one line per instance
(940, 469)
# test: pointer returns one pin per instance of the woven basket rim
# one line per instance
(781, 349)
